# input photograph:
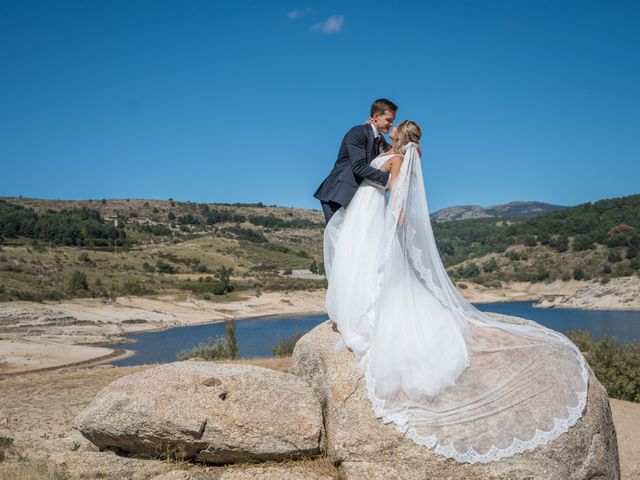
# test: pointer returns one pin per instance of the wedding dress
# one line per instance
(449, 376)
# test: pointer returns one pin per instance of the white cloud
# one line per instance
(333, 24)
(293, 14)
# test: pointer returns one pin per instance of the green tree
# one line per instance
(224, 285)
(313, 267)
(583, 242)
(78, 281)
(578, 274)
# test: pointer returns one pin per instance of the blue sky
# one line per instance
(248, 101)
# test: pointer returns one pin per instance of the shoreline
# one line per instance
(213, 322)
(74, 332)
(36, 337)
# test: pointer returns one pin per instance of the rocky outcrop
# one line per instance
(365, 448)
(616, 294)
(213, 413)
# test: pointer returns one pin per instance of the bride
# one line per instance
(449, 376)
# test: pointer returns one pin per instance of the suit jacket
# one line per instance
(352, 166)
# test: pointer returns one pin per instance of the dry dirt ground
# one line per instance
(41, 405)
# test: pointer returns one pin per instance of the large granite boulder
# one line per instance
(365, 448)
(213, 413)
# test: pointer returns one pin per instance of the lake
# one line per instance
(257, 336)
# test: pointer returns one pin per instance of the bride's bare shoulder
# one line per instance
(394, 159)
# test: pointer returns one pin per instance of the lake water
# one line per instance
(256, 337)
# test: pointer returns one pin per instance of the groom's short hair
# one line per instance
(381, 105)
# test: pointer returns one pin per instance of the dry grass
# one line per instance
(32, 470)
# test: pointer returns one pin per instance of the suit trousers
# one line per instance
(329, 208)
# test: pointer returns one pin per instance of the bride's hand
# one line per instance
(401, 219)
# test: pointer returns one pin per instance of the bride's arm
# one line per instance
(393, 166)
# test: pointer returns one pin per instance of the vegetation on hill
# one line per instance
(593, 240)
(76, 226)
(52, 249)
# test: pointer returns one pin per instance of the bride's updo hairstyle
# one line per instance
(407, 131)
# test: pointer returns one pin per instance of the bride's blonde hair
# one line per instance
(407, 131)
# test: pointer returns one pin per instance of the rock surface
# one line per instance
(249, 473)
(365, 448)
(213, 413)
(617, 294)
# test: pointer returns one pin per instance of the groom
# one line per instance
(359, 146)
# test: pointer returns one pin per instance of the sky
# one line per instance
(248, 101)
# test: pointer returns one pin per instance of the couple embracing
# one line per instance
(447, 375)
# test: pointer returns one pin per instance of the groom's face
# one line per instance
(383, 122)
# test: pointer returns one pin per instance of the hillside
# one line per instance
(153, 246)
(507, 210)
(105, 248)
(598, 241)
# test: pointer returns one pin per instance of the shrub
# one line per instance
(614, 257)
(201, 268)
(284, 348)
(560, 243)
(578, 274)
(583, 242)
(470, 270)
(164, 267)
(78, 281)
(617, 366)
(490, 265)
(215, 348)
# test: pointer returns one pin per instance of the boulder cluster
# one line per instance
(220, 413)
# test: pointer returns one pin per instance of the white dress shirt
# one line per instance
(376, 134)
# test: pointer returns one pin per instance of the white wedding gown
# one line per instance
(448, 376)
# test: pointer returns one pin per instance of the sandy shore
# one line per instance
(40, 407)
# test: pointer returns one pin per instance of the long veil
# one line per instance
(516, 386)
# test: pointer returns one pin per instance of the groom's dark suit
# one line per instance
(357, 150)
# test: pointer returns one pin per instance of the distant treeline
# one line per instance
(76, 226)
(213, 217)
(614, 223)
